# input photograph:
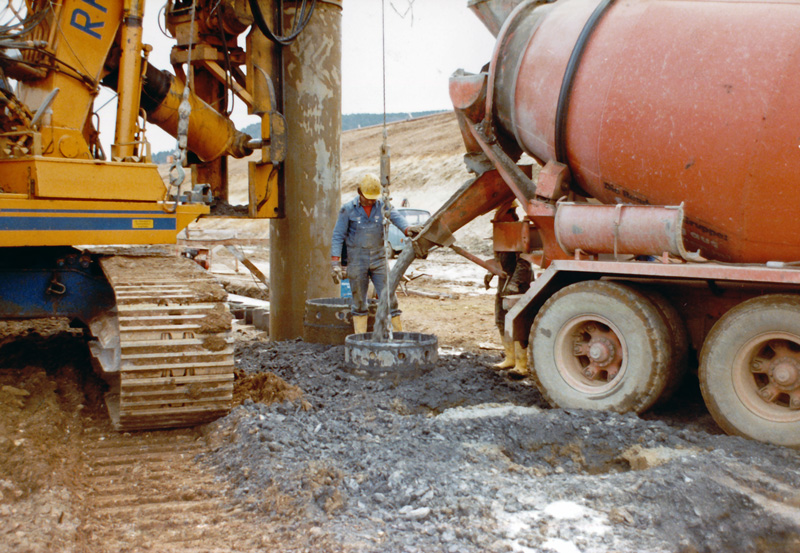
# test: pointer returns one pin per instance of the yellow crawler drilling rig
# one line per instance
(159, 323)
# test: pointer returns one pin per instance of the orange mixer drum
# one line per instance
(662, 102)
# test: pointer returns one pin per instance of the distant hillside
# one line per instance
(349, 122)
(427, 168)
(361, 120)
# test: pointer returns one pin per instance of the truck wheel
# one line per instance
(600, 345)
(679, 338)
(750, 370)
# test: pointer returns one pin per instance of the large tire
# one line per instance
(750, 370)
(679, 338)
(600, 345)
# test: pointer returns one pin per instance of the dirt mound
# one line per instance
(426, 158)
(263, 388)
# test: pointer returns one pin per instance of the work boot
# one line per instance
(360, 324)
(520, 369)
(509, 359)
(397, 324)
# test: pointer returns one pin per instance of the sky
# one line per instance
(425, 42)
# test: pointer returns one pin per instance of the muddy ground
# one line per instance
(461, 459)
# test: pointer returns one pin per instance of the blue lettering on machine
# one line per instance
(82, 21)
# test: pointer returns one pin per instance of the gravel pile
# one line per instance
(464, 460)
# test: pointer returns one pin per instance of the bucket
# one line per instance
(407, 355)
(328, 320)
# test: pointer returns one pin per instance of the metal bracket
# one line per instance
(55, 288)
(273, 126)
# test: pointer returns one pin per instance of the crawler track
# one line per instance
(166, 351)
(146, 492)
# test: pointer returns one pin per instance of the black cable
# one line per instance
(301, 20)
(32, 20)
(27, 25)
(569, 75)
(228, 68)
(163, 30)
(262, 24)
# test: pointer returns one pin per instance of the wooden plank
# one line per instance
(133, 408)
(154, 328)
(249, 264)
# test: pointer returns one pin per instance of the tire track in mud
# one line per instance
(144, 491)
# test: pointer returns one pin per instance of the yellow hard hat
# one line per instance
(370, 187)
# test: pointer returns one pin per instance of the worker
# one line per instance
(360, 228)
(517, 281)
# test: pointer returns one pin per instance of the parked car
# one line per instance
(415, 217)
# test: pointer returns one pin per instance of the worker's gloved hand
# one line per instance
(487, 280)
(338, 273)
(413, 230)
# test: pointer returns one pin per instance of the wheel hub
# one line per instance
(598, 345)
(785, 373)
(601, 351)
(774, 368)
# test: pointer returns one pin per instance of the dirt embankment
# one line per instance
(416, 147)
(427, 167)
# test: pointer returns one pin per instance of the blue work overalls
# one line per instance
(365, 256)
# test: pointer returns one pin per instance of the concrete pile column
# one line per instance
(312, 103)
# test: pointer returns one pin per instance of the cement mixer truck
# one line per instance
(665, 214)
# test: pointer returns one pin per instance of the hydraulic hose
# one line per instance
(569, 77)
(300, 22)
